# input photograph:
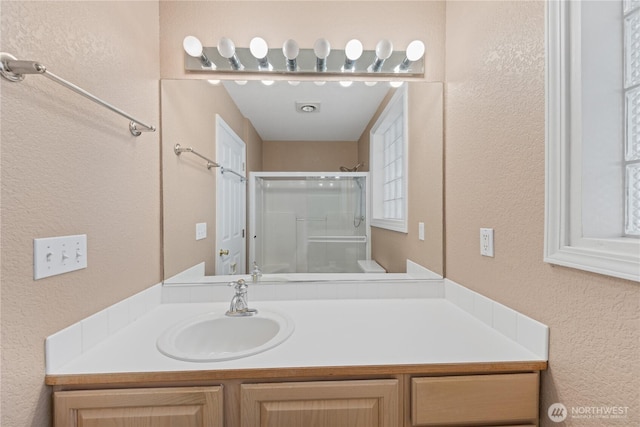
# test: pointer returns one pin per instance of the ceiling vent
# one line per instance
(307, 107)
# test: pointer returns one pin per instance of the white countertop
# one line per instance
(327, 333)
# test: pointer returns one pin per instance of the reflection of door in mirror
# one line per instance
(231, 153)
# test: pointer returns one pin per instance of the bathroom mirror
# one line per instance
(309, 146)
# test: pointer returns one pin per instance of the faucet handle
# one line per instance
(240, 285)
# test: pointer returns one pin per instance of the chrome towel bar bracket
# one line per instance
(14, 70)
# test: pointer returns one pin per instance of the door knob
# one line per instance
(224, 252)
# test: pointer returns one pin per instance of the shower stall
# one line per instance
(309, 222)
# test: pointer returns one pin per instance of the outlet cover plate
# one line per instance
(201, 230)
(486, 242)
(57, 255)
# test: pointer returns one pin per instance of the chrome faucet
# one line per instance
(239, 305)
(255, 273)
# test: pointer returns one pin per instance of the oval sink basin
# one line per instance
(213, 337)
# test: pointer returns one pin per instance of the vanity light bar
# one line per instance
(289, 59)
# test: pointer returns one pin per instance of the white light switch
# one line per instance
(486, 242)
(57, 255)
(421, 230)
(201, 230)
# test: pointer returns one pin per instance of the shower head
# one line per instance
(353, 169)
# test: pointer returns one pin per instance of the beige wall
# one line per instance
(391, 249)
(306, 21)
(189, 109)
(309, 156)
(495, 178)
(70, 166)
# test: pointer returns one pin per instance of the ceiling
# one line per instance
(343, 113)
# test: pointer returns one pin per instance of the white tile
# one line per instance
(533, 335)
(483, 309)
(347, 291)
(224, 293)
(328, 290)
(261, 292)
(95, 328)
(62, 347)
(369, 290)
(201, 293)
(459, 295)
(175, 294)
(307, 291)
(505, 321)
(286, 291)
(118, 316)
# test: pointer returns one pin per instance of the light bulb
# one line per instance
(268, 82)
(370, 83)
(192, 46)
(290, 49)
(241, 82)
(384, 49)
(226, 48)
(396, 84)
(294, 82)
(258, 47)
(415, 50)
(346, 83)
(353, 49)
(322, 48)
(320, 83)
(214, 82)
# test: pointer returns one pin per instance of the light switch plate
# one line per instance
(57, 255)
(421, 230)
(486, 242)
(201, 230)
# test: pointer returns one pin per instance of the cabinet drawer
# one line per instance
(365, 403)
(475, 399)
(183, 406)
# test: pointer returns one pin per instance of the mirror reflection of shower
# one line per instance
(309, 222)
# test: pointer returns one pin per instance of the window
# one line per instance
(592, 201)
(632, 115)
(389, 160)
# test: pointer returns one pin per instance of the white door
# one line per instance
(231, 207)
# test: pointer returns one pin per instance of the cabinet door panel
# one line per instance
(159, 407)
(474, 399)
(367, 403)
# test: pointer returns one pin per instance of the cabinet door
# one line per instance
(367, 403)
(153, 407)
(475, 400)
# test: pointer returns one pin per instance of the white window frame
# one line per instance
(398, 100)
(565, 244)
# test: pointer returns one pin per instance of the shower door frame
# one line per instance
(254, 176)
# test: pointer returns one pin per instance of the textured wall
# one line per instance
(494, 177)
(309, 156)
(70, 167)
(189, 109)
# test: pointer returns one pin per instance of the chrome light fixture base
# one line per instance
(306, 64)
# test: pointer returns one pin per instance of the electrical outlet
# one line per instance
(486, 242)
(421, 230)
(201, 230)
(57, 255)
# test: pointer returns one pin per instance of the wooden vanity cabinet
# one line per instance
(461, 395)
(154, 407)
